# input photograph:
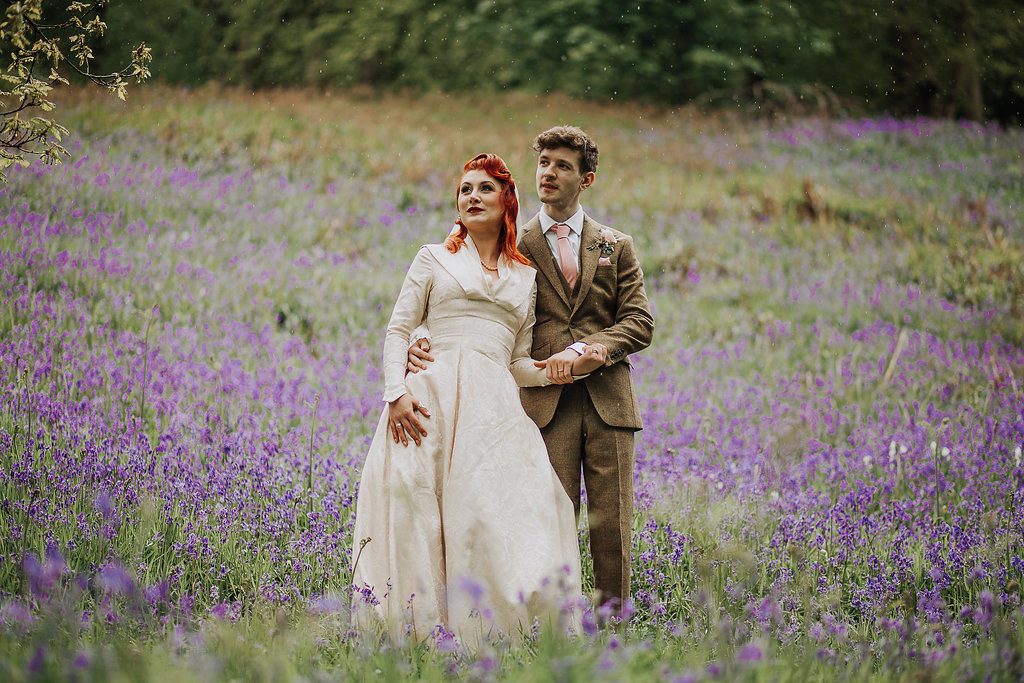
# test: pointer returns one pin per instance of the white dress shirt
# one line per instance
(575, 223)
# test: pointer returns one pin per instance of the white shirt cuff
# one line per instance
(578, 347)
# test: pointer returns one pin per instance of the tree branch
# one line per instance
(31, 43)
(25, 104)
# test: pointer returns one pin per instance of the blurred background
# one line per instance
(826, 197)
(944, 58)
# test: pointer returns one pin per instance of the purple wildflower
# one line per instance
(750, 652)
(114, 578)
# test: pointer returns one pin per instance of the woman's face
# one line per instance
(480, 205)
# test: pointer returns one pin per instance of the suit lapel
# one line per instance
(542, 259)
(588, 261)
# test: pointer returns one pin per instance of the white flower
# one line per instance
(606, 243)
(867, 461)
(933, 446)
(903, 449)
(1016, 455)
(719, 486)
(945, 452)
(892, 449)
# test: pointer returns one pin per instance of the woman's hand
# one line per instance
(402, 419)
(594, 356)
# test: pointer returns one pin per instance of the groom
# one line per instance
(590, 292)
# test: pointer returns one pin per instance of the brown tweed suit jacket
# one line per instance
(610, 307)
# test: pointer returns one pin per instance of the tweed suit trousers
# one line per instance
(580, 442)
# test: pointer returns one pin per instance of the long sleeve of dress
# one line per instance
(420, 332)
(523, 370)
(409, 312)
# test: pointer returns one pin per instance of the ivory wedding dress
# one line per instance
(472, 529)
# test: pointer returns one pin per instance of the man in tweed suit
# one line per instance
(590, 292)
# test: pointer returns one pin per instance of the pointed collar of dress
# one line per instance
(510, 289)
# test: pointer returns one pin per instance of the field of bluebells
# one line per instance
(829, 485)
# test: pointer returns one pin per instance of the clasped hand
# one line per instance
(562, 366)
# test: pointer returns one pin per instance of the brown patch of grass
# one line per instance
(649, 156)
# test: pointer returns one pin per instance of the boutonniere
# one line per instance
(606, 243)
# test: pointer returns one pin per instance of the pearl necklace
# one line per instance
(487, 267)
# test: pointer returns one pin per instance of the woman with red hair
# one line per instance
(466, 529)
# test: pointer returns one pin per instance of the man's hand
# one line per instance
(559, 366)
(402, 419)
(419, 356)
(594, 356)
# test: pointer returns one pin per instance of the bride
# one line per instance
(467, 528)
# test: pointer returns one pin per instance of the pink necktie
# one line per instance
(566, 260)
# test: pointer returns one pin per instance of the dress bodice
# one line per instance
(478, 323)
(465, 309)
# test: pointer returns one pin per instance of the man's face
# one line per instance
(559, 180)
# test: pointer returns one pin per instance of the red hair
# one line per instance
(494, 166)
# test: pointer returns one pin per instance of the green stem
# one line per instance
(935, 458)
(312, 430)
(145, 372)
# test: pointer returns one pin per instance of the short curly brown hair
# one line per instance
(572, 138)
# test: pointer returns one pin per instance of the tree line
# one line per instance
(946, 58)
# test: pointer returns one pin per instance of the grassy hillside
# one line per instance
(829, 484)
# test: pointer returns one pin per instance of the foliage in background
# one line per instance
(947, 58)
(36, 51)
(950, 58)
